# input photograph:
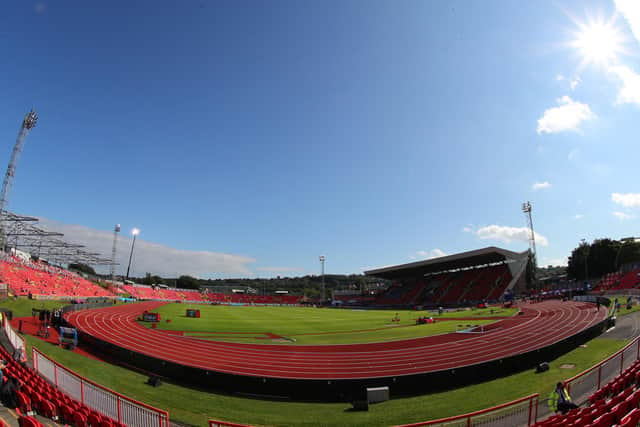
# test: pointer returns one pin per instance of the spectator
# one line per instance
(8, 392)
(560, 400)
(3, 364)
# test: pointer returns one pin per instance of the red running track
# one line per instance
(540, 325)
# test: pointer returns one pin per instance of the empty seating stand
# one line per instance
(41, 279)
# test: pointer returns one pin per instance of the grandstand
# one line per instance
(43, 280)
(191, 295)
(619, 281)
(454, 280)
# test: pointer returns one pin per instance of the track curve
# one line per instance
(540, 325)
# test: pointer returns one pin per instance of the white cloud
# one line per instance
(630, 9)
(540, 185)
(152, 257)
(509, 234)
(628, 200)
(559, 77)
(467, 229)
(574, 83)
(629, 93)
(578, 216)
(564, 261)
(433, 253)
(566, 117)
(622, 216)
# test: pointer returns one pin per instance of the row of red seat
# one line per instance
(472, 285)
(36, 395)
(24, 280)
(619, 280)
(149, 292)
(615, 404)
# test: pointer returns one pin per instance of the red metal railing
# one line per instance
(106, 401)
(523, 411)
(584, 384)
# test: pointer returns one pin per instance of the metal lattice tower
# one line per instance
(526, 208)
(113, 252)
(28, 123)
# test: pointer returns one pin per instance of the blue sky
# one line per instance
(247, 138)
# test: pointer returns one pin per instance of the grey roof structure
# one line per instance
(488, 255)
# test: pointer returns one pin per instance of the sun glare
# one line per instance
(598, 42)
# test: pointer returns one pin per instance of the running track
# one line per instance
(539, 326)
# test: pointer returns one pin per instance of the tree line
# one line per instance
(305, 285)
(602, 256)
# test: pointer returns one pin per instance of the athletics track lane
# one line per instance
(540, 325)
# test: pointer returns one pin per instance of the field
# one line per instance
(195, 407)
(295, 325)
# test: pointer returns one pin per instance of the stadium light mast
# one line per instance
(135, 232)
(116, 230)
(322, 259)
(28, 123)
(526, 208)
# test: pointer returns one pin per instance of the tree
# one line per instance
(577, 261)
(188, 282)
(84, 268)
(629, 252)
(593, 259)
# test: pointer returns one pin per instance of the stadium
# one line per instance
(434, 326)
(485, 322)
(336, 210)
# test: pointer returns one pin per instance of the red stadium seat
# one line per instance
(29, 422)
(631, 419)
(620, 410)
(606, 420)
(48, 410)
(94, 418)
(80, 420)
(67, 412)
(24, 403)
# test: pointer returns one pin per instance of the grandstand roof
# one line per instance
(473, 258)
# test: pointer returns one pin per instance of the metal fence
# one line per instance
(521, 412)
(586, 383)
(528, 410)
(108, 402)
(16, 340)
(85, 306)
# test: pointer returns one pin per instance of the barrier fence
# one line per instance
(586, 383)
(529, 409)
(108, 402)
(521, 412)
(16, 340)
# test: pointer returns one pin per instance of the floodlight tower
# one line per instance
(113, 252)
(28, 123)
(135, 232)
(526, 208)
(322, 259)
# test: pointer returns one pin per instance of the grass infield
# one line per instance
(307, 325)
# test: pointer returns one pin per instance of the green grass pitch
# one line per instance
(308, 325)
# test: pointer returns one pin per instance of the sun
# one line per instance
(598, 42)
